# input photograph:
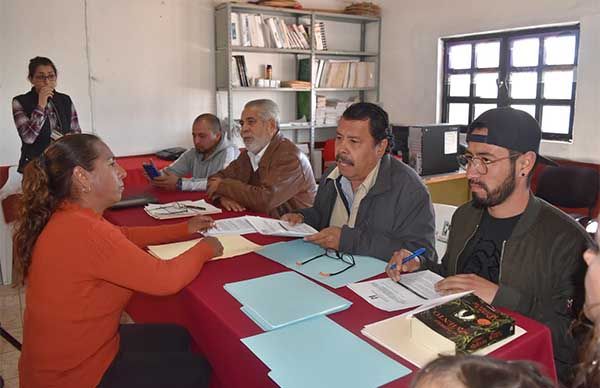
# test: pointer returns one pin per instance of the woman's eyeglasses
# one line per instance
(346, 258)
(49, 77)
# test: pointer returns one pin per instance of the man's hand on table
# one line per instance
(395, 267)
(293, 218)
(328, 238)
(231, 205)
(483, 288)
(212, 185)
(166, 180)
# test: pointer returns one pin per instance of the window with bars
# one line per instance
(534, 70)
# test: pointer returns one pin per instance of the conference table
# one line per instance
(216, 323)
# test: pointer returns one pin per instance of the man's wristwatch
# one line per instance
(179, 184)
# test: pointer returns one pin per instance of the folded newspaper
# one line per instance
(262, 225)
(166, 211)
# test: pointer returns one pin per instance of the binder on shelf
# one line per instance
(235, 30)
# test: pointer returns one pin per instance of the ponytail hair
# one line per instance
(47, 182)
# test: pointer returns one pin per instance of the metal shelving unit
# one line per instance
(224, 52)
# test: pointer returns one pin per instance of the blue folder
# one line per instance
(290, 252)
(284, 298)
(320, 353)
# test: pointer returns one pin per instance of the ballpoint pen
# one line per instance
(408, 258)
(194, 207)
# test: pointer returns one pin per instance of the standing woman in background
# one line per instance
(81, 271)
(42, 114)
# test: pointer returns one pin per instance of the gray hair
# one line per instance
(267, 109)
(214, 124)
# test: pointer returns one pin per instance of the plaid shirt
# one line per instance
(29, 127)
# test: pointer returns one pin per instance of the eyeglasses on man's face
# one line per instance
(481, 163)
(346, 258)
(42, 77)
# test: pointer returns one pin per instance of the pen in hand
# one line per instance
(408, 258)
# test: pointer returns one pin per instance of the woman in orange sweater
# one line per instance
(80, 272)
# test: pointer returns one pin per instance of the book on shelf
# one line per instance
(462, 325)
(295, 84)
(256, 30)
(343, 73)
(242, 72)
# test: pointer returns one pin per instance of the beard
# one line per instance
(497, 196)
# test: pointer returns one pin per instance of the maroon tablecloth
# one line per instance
(216, 323)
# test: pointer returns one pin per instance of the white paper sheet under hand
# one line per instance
(273, 227)
(235, 225)
(233, 245)
(414, 289)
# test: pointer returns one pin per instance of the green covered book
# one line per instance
(462, 325)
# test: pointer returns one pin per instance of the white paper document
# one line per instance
(236, 225)
(414, 289)
(273, 227)
(262, 225)
(180, 209)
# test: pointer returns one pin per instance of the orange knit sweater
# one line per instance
(83, 272)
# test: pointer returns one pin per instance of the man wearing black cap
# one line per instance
(512, 248)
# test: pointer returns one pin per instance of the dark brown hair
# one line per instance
(47, 182)
(588, 369)
(478, 371)
(39, 61)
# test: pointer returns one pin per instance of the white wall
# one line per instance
(138, 71)
(411, 32)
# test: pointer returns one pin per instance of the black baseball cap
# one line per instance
(509, 128)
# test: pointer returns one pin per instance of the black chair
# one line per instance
(572, 187)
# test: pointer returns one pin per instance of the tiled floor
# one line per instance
(12, 304)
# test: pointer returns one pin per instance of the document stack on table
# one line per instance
(409, 337)
(232, 246)
(319, 353)
(262, 225)
(179, 209)
(284, 298)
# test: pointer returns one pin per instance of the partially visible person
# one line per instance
(272, 175)
(479, 372)
(588, 372)
(512, 249)
(212, 152)
(42, 114)
(81, 271)
(370, 203)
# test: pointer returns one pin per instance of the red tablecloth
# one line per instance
(216, 323)
(133, 167)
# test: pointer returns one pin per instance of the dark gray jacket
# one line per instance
(396, 213)
(541, 269)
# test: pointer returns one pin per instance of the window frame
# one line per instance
(505, 68)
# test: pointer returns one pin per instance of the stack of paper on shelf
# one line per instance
(232, 246)
(290, 253)
(404, 335)
(262, 225)
(284, 298)
(180, 209)
(319, 353)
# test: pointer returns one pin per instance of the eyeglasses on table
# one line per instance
(346, 258)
